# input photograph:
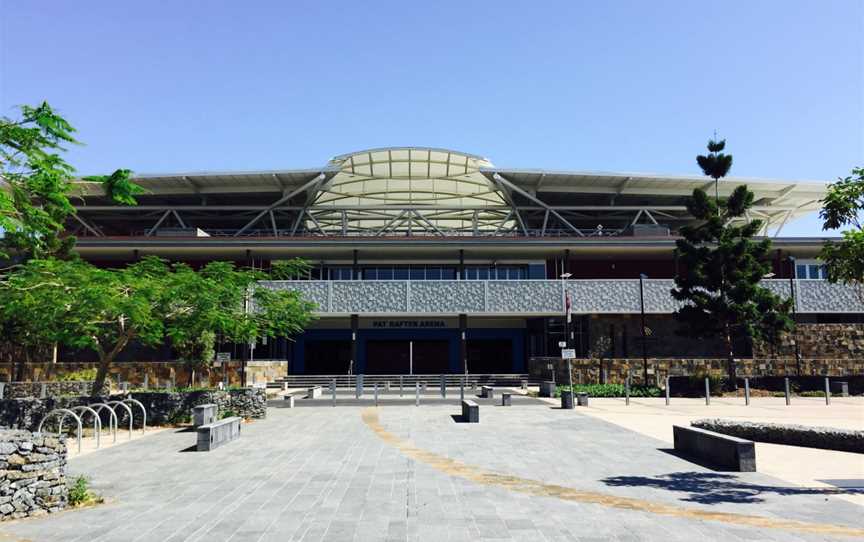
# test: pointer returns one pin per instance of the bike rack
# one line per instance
(98, 407)
(143, 412)
(115, 404)
(64, 411)
(97, 423)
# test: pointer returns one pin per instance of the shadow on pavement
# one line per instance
(717, 488)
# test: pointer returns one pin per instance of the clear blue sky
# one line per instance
(618, 86)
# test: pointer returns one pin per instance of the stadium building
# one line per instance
(435, 261)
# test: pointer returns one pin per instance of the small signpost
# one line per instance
(568, 353)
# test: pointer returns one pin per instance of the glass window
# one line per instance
(448, 273)
(400, 273)
(483, 273)
(417, 273)
(433, 273)
(801, 271)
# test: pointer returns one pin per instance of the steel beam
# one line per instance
(277, 203)
(518, 190)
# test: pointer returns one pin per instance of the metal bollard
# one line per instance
(827, 392)
(417, 394)
(376, 394)
(627, 390)
(2, 389)
(707, 391)
(747, 392)
(400, 386)
(333, 391)
(462, 391)
(667, 391)
(786, 389)
(443, 387)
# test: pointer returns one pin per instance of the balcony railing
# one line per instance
(537, 297)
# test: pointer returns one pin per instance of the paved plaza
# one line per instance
(399, 472)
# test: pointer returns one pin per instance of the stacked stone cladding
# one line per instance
(158, 375)
(32, 474)
(17, 390)
(163, 407)
(828, 341)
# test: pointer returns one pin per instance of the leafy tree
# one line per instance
(35, 182)
(74, 303)
(842, 207)
(722, 267)
(218, 301)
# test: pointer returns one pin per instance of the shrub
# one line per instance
(611, 390)
(80, 494)
(81, 375)
(227, 413)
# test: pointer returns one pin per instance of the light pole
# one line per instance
(642, 278)
(567, 313)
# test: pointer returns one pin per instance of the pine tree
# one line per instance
(723, 265)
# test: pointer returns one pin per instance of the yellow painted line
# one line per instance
(540, 489)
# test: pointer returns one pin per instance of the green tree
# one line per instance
(35, 183)
(223, 301)
(722, 267)
(105, 310)
(842, 208)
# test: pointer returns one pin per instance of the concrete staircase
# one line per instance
(408, 381)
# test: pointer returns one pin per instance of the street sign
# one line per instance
(562, 344)
(223, 356)
(568, 353)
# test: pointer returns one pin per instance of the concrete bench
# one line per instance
(203, 414)
(220, 432)
(470, 411)
(487, 392)
(505, 399)
(547, 388)
(729, 453)
(314, 392)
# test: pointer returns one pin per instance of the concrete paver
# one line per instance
(324, 474)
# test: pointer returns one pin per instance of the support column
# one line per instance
(355, 268)
(461, 264)
(355, 326)
(463, 342)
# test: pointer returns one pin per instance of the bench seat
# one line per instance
(470, 411)
(214, 435)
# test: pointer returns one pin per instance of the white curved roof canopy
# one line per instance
(408, 189)
(430, 191)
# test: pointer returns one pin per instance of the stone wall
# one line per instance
(170, 407)
(831, 341)
(158, 374)
(32, 474)
(17, 390)
(615, 371)
(163, 407)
